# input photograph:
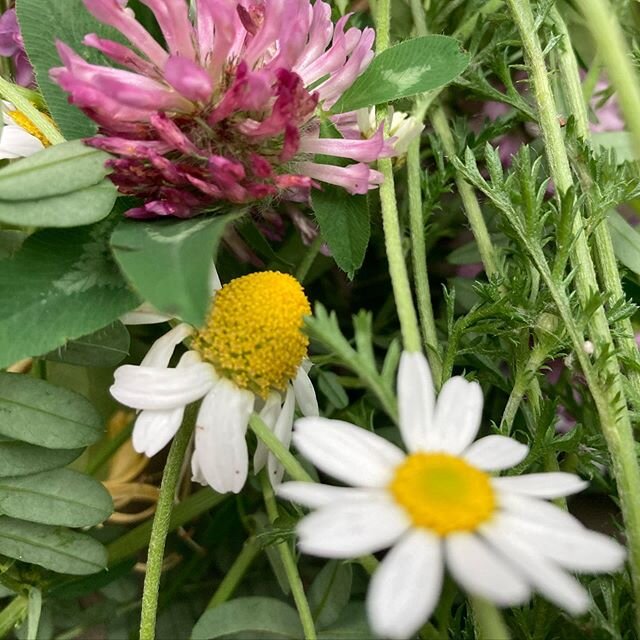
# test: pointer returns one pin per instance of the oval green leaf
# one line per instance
(54, 548)
(104, 348)
(406, 69)
(62, 497)
(54, 171)
(254, 615)
(68, 210)
(37, 412)
(21, 459)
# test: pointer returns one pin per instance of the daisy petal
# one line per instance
(458, 414)
(348, 453)
(551, 581)
(541, 485)
(269, 414)
(154, 388)
(15, 142)
(406, 586)
(482, 572)
(540, 511)
(144, 314)
(495, 453)
(576, 549)
(416, 400)
(154, 429)
(314, 496)
(282, 431)
(305, 393)
(221, 446)
(162, 349)
(351, 529)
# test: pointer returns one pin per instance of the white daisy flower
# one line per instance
(19, 137)
(251, 356)
(440, 506)
(403, 127)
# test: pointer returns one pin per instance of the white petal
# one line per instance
(458, 414)
(406, 586)
(347, 452)
(162, 349)
(154, 388)
(269, 414)
(351, 529)
(144, 314)
(541, 485)
(495, 453)
(154, 429)
(551, 581)
(15, 142)
(196, 471)
(214, 279)
(416, 400)
(282, 431)
(576, 549)
(314, 495)
(221, 446)
(482, 572)
(545, 513)
(305, 393)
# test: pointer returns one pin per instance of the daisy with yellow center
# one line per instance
(250, 356)
(19, 137)
(440, 506)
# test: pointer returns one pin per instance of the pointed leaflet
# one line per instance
(23, 459)
(169, 262)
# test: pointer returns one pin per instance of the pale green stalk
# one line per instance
(419, 255)
(290, 568)
(160, 529)
(609, 397)
(390, 218)
(488, 621)
(603, 246)
(13, 614)
(14, 95)
(612, 48)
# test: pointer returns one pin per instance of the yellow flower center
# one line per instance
(254, 334)
(25, 123)
(443, 493)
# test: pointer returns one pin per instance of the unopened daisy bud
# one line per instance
(403, 128)
(440, 506)
(250, 356)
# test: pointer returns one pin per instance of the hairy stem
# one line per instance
(160, 528)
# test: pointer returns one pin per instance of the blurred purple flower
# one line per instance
(12, 46)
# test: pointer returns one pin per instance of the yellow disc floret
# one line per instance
(25, 123)
(443, 493)
(254, 334)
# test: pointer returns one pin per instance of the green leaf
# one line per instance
(330, 592)
(104, 348)
(69, 210)
(406, 69)
(169, 262)
(254, 614)
(330, 386)
(54, 548)
(351, 625)
(41, 23)
(62, 284)
(56, 170)
(62, 497)
(619, 141)
(626, 241)
(37, 412)
(344, 224)
(21, 459)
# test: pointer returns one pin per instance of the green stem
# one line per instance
(603, 246)
(13, 614)
(236, 573)
(160, 528)
(290, 567)
(489, 622)
(309, 258)
(612, 47)
(419, 254)
(390, 217)
(471, 23)
(39, 119)
(467, 195)
(285, 457)
(608, 395)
